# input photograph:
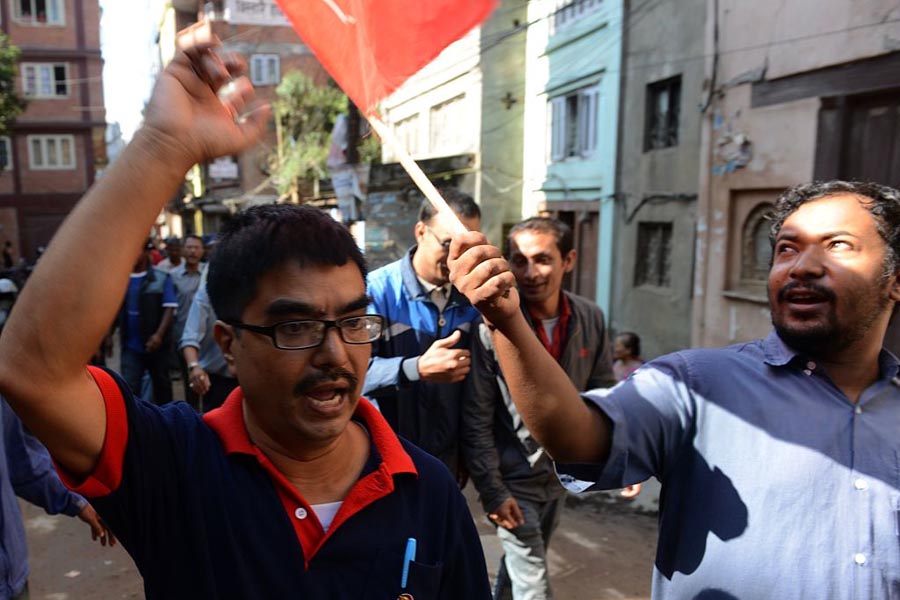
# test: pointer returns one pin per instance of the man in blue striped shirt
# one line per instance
(779, 458)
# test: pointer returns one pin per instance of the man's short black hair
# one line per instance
(565, 240)
(193, 236)
(882, 202)
(262, 238)
(460, 202)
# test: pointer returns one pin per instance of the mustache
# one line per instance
(811, 287)
(330, 375)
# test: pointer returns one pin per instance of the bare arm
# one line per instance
(550, 405)
(69, 302)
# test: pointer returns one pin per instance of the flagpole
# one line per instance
(444, 213)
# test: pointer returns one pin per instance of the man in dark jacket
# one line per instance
(416, 370)
(145, 321)
(514, 477)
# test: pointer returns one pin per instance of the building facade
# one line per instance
(257, 30)
(436, 118)
(658, 172)
(53, 149)
(809, 91)
(573, 57)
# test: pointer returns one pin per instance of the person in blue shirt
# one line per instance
(778, 457)
(27, 471)
(296, 487)
(208, 376)
(145, 323)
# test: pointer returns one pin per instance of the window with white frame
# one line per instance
(40, 12)
(407, 132)
(573, 124)
(569, 11)
(45, 80)
(49, 152)
(5, 153)
(265, 69)
(445, 125)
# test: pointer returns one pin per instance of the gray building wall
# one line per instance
(503, 121)
(662, 40)
(804, 90)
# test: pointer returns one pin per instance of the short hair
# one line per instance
(461, 203)
(265, 237)
(882, 202)
(173, 241)
(194, 236)
(565, 239)
(632, 341)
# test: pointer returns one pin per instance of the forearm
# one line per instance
(111, 221)
(70, 300)
(190, 354)
(549, 404)
(382, 373)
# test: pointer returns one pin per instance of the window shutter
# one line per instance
(256, 69)
(557, 128)
(589, 100)
(274, 70)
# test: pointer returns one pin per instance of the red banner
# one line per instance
(370, 47)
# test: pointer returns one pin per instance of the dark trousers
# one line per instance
(156, 364)
(219, 388)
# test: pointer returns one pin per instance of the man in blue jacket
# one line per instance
(416, 370)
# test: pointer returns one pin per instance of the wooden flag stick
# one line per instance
(445, 214)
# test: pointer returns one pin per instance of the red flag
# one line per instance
(370, 47)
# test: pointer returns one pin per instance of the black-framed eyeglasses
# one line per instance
(309, 333)
(444, 243)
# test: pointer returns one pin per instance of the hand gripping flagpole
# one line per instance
(445, 214)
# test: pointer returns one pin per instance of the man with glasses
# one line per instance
(417, 369)
(294, 488)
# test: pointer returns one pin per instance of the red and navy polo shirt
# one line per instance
(205, 514)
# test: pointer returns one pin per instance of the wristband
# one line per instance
(192, 365)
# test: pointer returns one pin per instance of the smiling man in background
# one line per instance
(513, 475)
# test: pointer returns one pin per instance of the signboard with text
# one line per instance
(254, 12)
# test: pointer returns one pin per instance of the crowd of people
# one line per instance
(320, 463)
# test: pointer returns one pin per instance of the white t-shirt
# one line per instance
(326, 512)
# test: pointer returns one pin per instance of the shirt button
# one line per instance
(859, 558)
(858, 410)
(807, 372)
(811, 365)
(300, 513)
(861, 484)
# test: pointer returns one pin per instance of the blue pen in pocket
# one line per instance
(408, 557)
